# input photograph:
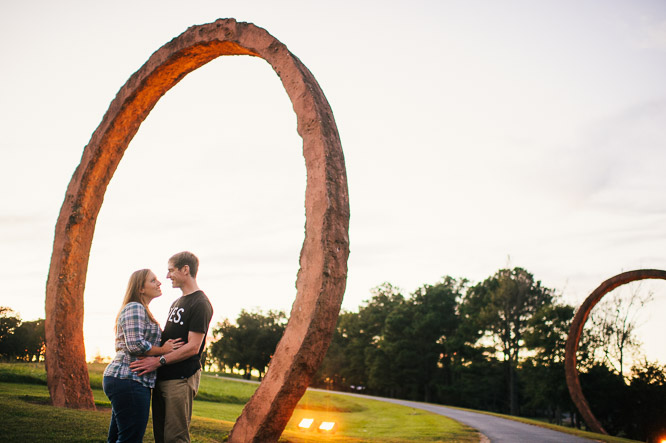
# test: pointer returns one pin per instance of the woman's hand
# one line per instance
(172, 345)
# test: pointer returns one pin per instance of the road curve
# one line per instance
(496, 429)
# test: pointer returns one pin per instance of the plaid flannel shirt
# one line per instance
(135, 335)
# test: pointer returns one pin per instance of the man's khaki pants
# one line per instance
(172, 408)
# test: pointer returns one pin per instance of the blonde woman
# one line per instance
(137, 334)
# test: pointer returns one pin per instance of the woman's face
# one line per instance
(151, 287)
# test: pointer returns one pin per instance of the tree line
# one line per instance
(20, 340)
(497, 345)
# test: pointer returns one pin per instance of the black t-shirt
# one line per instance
(191, 312)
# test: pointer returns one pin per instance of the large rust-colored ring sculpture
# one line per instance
(323, 261)
(573, 381)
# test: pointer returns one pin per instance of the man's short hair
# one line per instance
(186, 258)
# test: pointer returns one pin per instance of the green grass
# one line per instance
(26, 414)
(32, 373)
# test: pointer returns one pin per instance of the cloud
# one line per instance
(612, 164)
(629, 150)
(22, 219)
(653, 37)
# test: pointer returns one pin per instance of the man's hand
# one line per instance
(145, 365)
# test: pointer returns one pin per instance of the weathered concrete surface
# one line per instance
(323, 262)
(576, 329)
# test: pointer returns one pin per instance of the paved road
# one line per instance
(496, 429)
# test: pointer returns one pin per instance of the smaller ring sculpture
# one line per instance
(573, 340)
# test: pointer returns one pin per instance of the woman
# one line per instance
(137, 334)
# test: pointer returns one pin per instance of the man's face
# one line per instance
(177, 276)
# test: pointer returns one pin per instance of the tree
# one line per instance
(606, 394)
(250, 343)
(20, 340)
(645, 417)
(8, 324)
(435, 325)
(501, 307)
(355, 360)
(27, 342)
(379, 369)
(547, 332)
(418, 338)
(544, 381)
(339, 371)
(613, 323)
(635, 410)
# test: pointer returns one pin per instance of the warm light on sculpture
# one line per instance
(323, 261)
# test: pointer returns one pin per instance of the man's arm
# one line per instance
(168, 346)
(150, 364)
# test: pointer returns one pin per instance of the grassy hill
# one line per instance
(26, 414)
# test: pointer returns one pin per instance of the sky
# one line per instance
(477, 135)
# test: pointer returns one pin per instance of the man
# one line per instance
(179, 372)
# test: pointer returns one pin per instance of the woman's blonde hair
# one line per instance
(136, 283)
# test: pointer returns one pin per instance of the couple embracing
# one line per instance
(167, 362)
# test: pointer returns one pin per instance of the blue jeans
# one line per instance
(130, 402)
